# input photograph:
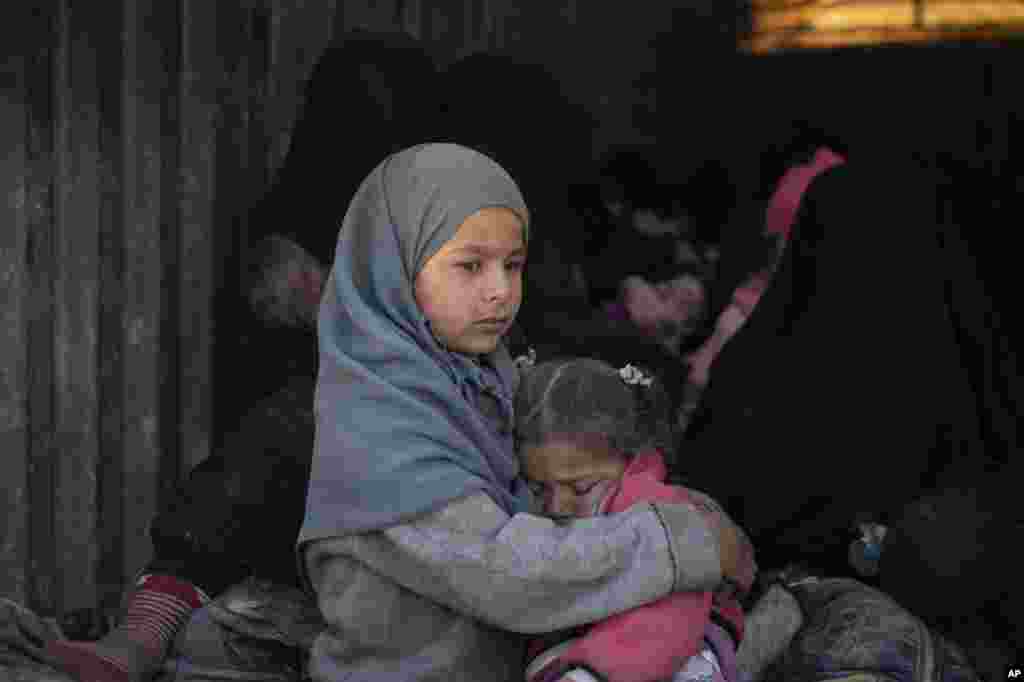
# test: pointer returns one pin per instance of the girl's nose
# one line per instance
(561, 502)
(499, 285)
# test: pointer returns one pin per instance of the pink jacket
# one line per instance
(655, 641)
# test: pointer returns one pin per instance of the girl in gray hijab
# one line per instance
(417, 540)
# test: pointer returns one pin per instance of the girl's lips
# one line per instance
(494, 326)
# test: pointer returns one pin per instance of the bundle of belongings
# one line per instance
(256, 631)
(820, 629)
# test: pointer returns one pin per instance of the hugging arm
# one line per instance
(526, 574)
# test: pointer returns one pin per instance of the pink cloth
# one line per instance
(791, 188)
(779, 218)
(655, 641)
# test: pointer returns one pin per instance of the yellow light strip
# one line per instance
(773, 42)
(773, 5)
(972, 13)
(874, 13)
(784, 24)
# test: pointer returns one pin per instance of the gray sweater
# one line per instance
(446, 596)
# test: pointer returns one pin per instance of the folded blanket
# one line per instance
(23, 634)
(260, 632)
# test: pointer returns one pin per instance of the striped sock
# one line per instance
(156, 611)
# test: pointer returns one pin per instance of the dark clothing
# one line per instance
(632, 253)
(846, 391)
(239, 511)
(517, 112)
(945, 557)
(369, 95)
(556, 317)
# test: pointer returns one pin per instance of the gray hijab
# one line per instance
(399, 427)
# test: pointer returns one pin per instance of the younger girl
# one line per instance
(416, 539)
(589, 440)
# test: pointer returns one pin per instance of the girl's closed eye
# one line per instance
(584, 486)
(578, 487)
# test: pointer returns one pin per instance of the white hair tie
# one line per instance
(634, 376)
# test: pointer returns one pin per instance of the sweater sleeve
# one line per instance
(528, 574)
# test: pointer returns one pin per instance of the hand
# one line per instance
(735, 552)
(729, 552)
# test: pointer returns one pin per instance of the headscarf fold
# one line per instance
(398, 430)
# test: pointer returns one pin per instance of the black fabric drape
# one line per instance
(369, 95)
(953, 540)
(850, 388)
(518, 113)
(238, 512)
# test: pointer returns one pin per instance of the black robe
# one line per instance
(857, 382)
(518, 113)
(369, 95)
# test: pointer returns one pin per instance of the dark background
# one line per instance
(134, 136)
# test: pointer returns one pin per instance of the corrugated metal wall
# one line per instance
(114, 126)
(131, 138)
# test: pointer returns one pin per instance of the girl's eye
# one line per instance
(515, 265)
(471, 267)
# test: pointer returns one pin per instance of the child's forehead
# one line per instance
(567, 459)
(569, 449)
(490, 229)
(554, 460)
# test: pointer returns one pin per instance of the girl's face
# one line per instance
(471, 289)
(570, 475)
